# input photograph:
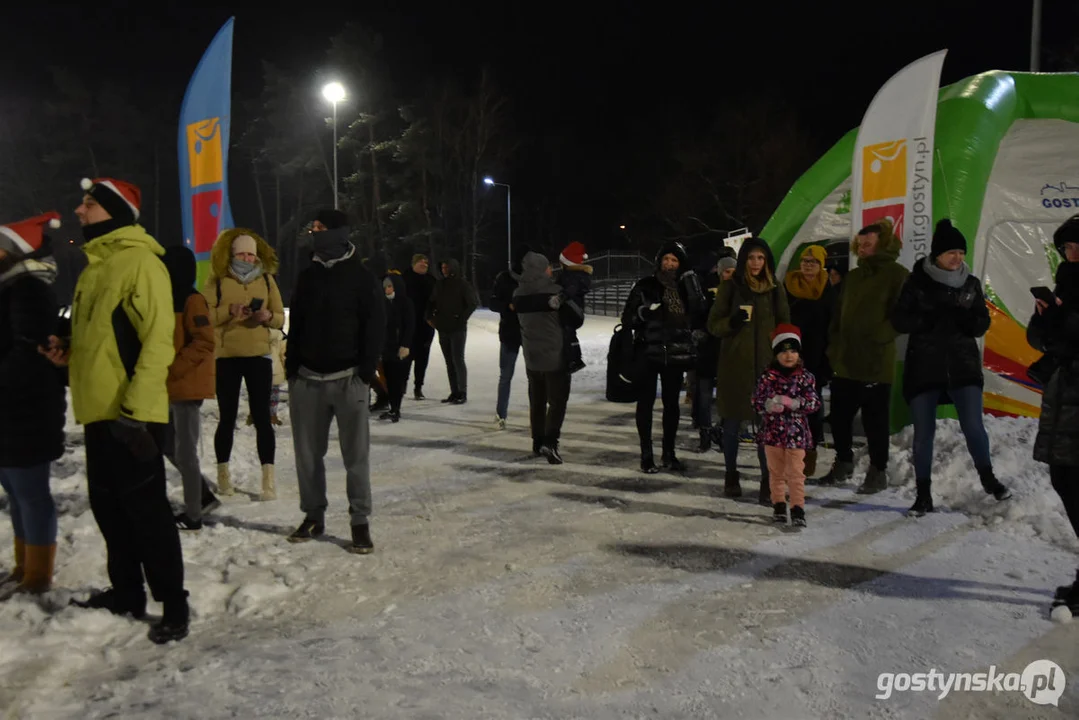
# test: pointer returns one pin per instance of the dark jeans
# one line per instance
(420, 353)
(507, 363)
(874, 400)
(671, 382)
(968, 406)
(33, 512)
(396, 372)
(548, 394)
(1065, 481)
(257, 374)
(732, 428)
(128, 499)
(453, 349)
(702, 402)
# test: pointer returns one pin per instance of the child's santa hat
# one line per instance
(120, 199)
(573, 254)
(786, 337)
(27, 236)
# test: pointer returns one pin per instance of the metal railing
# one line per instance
(613, 276)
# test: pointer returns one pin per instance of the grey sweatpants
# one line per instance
(313, 404)
(182, 450)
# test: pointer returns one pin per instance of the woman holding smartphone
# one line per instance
(943, 309)
(245, 306)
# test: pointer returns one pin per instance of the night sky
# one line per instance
(595, 76)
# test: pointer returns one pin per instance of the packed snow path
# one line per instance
(503, 587)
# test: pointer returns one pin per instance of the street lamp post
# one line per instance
(509, 224)
(335, 93)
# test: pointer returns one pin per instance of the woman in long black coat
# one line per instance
(943, 309)
(659, 310)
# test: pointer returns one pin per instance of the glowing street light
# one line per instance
(489, 182)
(334, 93)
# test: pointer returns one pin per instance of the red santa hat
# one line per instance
(788, 334)
(26, 236)
(120, 199)
(573, 254)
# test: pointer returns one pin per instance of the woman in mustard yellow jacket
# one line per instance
(245, 306)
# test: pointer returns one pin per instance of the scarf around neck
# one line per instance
(245, 272)
(799, 287)
(672, 300)
(949, 278)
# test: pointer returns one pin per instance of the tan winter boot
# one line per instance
(40, 561)
(269, 490)
(224, 480)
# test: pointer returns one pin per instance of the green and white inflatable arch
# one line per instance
(1007, 174)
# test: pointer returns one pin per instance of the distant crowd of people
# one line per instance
(143, 349)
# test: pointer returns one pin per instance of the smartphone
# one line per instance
(1044, 294)
(256, 305)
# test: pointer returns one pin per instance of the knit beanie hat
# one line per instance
(786, 337)
(332, 219)
(1068, 232)
(26, 236)
(120, 199)
(946, 238)
(727, 263)
(816, 252)
(573, 254)
(244, 244)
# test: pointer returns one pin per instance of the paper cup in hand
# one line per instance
(748, 309)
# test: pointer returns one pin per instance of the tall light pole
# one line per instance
(335, 93)
(1036, 37)
(509, 224)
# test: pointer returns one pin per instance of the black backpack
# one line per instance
(621, 367)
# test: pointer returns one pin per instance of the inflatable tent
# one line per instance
(1007, 173)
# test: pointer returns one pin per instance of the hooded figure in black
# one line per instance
(400, 325)
(449, 309)
(707, 350)
(660, 311)
(509, 336)
(420, 285)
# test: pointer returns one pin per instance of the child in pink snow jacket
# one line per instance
(786, 395)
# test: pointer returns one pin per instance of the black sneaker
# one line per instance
(537, 447)
(185, 523)
(418, 395)
(461, 399)
(732, 485)
(174, 622)
(209, 502)
(361, 540)
(110, 600)
(798, 516)
(388, 415)
(779, 513)
(309, 529)
(450, 399)
(923, 504)
(648, 464)
(380, 405)
(550, 451)
(395, 416)
(670, 462)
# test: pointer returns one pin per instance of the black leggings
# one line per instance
(671, 381)
(257, 374)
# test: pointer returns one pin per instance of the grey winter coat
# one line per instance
(543, 316)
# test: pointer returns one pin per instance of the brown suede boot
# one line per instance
(40, 561)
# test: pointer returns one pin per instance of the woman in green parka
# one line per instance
(746, 310)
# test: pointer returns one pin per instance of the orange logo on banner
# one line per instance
(884, 171)
(204, 152)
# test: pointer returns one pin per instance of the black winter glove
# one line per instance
(136, 437)
(367, 377)
(740, 318)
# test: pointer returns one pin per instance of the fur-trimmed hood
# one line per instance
(888, 246)
(221, 255)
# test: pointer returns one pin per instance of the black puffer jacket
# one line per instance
(400, 319)
(944, 324)
(509, 325)
(452, 302)
(32, 403)
(665, 339)
(1056, 333)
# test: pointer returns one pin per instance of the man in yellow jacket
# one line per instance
(118, 358)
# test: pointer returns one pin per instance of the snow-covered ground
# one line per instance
(502, 587)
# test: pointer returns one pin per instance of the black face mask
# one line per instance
(96, 230)
(330, 244)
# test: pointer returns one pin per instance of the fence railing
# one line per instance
(613, 276)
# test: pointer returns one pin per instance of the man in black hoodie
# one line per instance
(419, 286)
(509, 337)
(452, 303)
(337, 324)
